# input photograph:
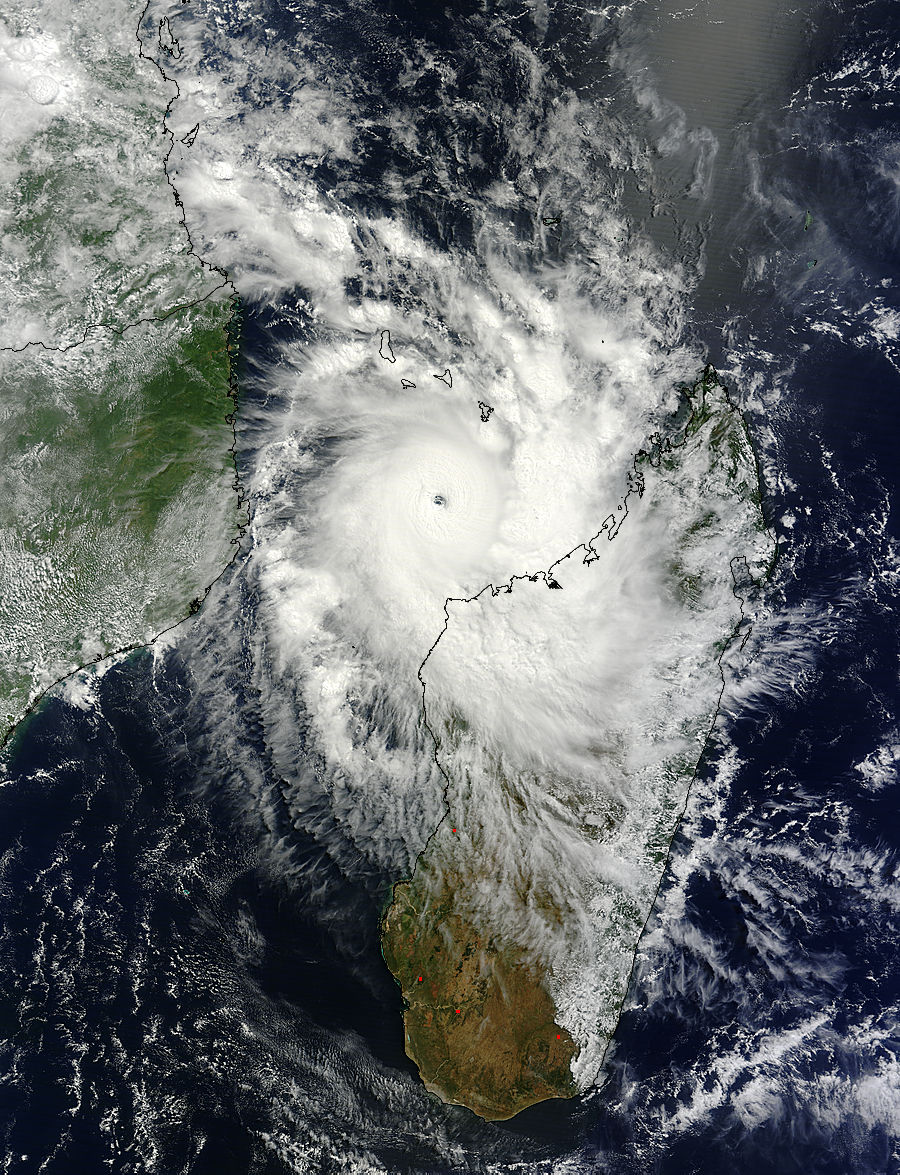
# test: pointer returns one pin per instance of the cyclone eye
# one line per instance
(439, 500)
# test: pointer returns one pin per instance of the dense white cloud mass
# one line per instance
(428, 661)
(585, 697)
(381, 491)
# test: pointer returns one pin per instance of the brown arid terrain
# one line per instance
(540, 894)
(478, 1021)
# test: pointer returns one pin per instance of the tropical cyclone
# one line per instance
(566, 713)
(414, 500)
(567, 761)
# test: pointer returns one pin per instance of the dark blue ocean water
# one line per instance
(192, 977)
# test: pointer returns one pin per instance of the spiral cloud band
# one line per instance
(445, 426)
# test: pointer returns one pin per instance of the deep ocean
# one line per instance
(189, 937)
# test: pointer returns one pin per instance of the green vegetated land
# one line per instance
(118, 504)
(91, 233)
(479, 1019)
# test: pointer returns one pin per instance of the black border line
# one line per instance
(225, 283)
(231, 331)
(659, 447)
(120, 330)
